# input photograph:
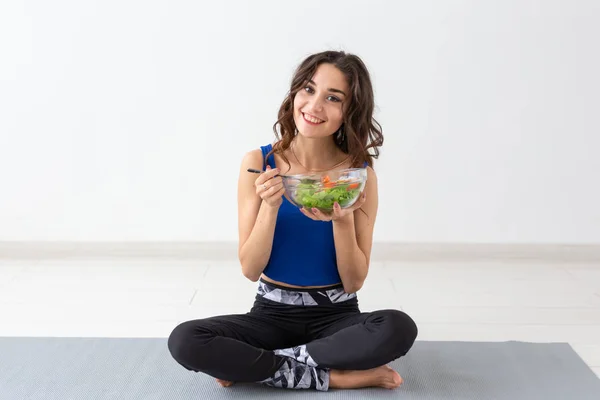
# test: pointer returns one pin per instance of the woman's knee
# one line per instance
(401, 330)
(183, 342)
(178, 339)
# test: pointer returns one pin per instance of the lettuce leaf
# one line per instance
(324, 198)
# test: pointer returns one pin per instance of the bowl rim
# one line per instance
(297, 176)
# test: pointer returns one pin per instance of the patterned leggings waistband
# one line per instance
(303, 297)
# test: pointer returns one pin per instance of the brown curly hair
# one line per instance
(361, 131)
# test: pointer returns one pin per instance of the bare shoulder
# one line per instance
(371, 175)
(252, 159)
(371, 185)
(248, 201)
(368, 211)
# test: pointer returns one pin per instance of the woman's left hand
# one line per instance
(338, 212)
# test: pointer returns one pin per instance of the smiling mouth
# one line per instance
(311, 119)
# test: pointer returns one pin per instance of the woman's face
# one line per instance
(319, 106)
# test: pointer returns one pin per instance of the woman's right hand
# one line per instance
(270, 187)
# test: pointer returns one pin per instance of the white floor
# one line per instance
(477, 301)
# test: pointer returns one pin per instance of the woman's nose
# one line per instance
(316, 104)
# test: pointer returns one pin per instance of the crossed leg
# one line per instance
(356, 348)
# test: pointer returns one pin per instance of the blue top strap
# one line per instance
(271, 160)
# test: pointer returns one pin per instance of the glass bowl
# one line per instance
(322, 190)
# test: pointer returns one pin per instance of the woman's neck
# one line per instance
(316, 154)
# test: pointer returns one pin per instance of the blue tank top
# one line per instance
(303, 251)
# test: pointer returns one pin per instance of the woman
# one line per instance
(305, 329)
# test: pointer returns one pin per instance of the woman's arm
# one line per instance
(353, 236)
(256, 218)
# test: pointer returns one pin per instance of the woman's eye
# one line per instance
(309, 89)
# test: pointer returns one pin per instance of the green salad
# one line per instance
(322, 195)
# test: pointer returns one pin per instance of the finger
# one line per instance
(272, 193)
(265, 186)
(308, 214)
(265, 176)
(281, 192)
(268, 174)
(359, 203)
(337, 210)
(273, 190)
(269, 183)
(321, 215)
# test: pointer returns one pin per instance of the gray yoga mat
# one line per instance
(142, 369)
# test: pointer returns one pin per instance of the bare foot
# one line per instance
(224, 383)
(383, 376)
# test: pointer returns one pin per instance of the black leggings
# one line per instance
(292, 338)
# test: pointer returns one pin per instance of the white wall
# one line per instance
(127, 120)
